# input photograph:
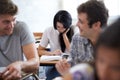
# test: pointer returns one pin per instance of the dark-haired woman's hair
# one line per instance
(64, 18)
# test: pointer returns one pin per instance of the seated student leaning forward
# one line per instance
(58, 37)
(15, 41)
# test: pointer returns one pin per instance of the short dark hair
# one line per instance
(8, 7)
(110, 37)
(63, 17)
(95, 10)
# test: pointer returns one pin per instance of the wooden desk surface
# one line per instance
(38, 37)
(48, 63)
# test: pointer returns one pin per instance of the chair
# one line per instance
(37, 35)
(31, 76)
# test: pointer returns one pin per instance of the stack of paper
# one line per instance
(49, 58)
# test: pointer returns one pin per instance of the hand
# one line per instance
(12, 72)
(57, 52)
(65, 32)
(62, 66)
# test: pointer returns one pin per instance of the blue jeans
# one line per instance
(51, 72)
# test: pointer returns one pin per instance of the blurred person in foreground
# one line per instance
(107, 57)
(16, 41)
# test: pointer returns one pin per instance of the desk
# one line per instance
(37, 35)
(48, 63)
(49, 60)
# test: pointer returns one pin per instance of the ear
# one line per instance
(97, 25)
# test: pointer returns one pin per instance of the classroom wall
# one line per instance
(38, 14)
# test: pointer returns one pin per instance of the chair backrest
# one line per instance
(37, 35)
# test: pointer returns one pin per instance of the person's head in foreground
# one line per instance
(107, 57)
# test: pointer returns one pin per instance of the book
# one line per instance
(50, 58)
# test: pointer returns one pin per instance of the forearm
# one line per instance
(44, 52)
(14, 70)
(32, 62)
(66, 41)
(31, 65)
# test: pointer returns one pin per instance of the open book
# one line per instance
(50, 58)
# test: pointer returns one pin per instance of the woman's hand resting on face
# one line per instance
(65, 32)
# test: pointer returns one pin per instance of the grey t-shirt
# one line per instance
(11, 45)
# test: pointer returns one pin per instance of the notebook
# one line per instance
(50, 58)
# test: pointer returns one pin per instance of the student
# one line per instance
(107, 57)
(15, 41)
(92, 17)
(58, 37)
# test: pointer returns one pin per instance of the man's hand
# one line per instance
(12, 72)
(62, 66)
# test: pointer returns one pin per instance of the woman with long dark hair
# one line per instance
(58, 37)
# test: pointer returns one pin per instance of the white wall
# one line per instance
(38, 14)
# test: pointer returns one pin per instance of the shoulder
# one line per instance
(22, 29)
(50, 30)
(78, 38)
(75, 29)
(20, 25)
